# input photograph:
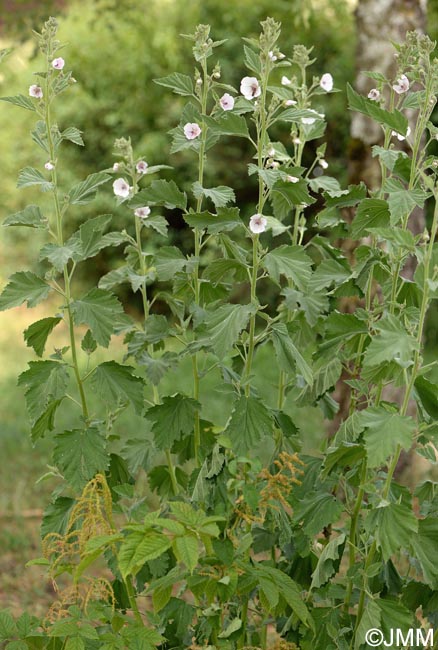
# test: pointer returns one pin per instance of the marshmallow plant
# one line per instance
(239, 540)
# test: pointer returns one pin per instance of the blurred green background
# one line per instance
(115, 49)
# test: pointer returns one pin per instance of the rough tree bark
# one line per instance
(378, 22)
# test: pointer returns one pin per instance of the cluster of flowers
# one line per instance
(35, 90)
(401, 86)
(122, 188)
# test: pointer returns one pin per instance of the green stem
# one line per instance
(60, 241)
(353, 532)
(142, 264)
(131, 597)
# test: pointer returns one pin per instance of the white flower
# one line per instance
(199, 81)
(290, 102)
(192, 130)
(35, 91)
(250, 87)
(308, 120)
(285, 81)
(141, 167)
(374, 94)
(116, 167)
(401, 137)
(272, 56)
(257, 223)
(217, 74)
(296, 141)
(49, 166)
(292, 179)
(281, 55)
(143, 212)
(58, 63)
(326, 82)
(271, 152)
(275, 164)
(402, 85)
(323, 163)
(227, 102)
(121, 188)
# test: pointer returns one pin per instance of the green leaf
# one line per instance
(385, 430)
(89, 239)
(392, 343)
(316, 511)
(220, 195)
(250, 421)
(172, 419)
(290, 261)
(228, 124)
(252, 61)
(74, 643)
(328, 562)
(58, 256)
(402, 201)
(30, 176)
(88, 344)
(165, 193)
(313, 304)
(393, 525)
(116, 383)
(85, 191)
(347, 453)
(394, 120)
(225, 220)
(340, 328)
(20, 100)
(233, 626)
(371, 619)
(224, 324)
(46, 421)
(157, 223)
(24, 286)
(168, 261)
(8, 628)
(31, 217)
(225, 268)
(288, 355)
(424, 547)
(289, 589)
(57, 515)
(45, 381)
(286, 196)
(100, 310)
(371, 213)
(73, 135)
(186, 549)
(36, 334)
(80, 455)
(389, 157)
(140, 547)
(427, 393)
(181, 84)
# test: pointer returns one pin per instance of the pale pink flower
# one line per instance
(116, 167)
(49, 166)
(402, 85)
(58, 63)
(121, 188)
(258, 223)
(326, 82)
(272, 56)
(192, 130)
(290, 102)
(143, 212)
(285, 81)
(141, 167)
(308, 120)
(227, 102)
(275, 164)
(250, 87)
(35, 91)
(374, 94)
(292, 179)
(401, 137)
(323, 163)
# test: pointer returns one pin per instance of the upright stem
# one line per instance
(60, 241)
(198, 236)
